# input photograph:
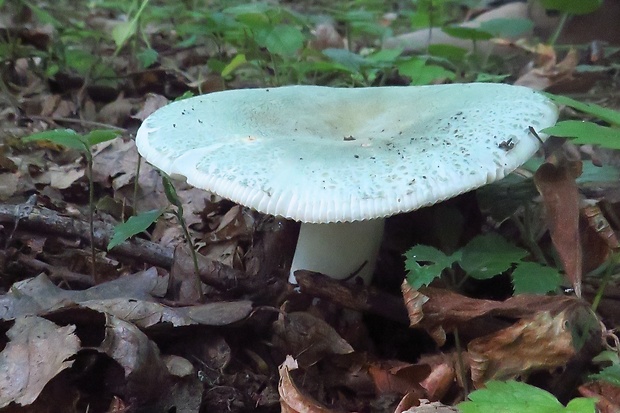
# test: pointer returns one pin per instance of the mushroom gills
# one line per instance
(341, 250)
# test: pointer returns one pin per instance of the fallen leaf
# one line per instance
(292, 399)
(540, 342)
(307, 337)
(555, 180)
(36, 352)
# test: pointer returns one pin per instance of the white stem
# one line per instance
(339, 249)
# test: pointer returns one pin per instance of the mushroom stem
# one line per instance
(340, 250)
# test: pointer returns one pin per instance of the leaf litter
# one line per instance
(146, 339)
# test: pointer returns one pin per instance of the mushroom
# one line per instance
(342, 160)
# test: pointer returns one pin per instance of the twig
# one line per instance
(45, 220)
(353, 296)
(54, 119)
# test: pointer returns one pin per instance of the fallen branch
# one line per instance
(353, 296)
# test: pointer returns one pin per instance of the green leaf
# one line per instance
(123, 31)
(581, 405)
(282, 40)
(608, 115)
(422, 73)
(468, 33)
(609, 374)
(147, 57)
(572, 6)
(507, 27)
(421, 275)
(170, 191)
(236, 61)
(349, 60)
(133, 226)
(64, 137)
(485, 256)
(517, 397)
(535, 278)
(100, 135)
(586, 133)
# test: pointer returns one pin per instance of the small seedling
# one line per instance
(83, 143)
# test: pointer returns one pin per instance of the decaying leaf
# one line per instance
(307, 337)
(540, 342)
(36, 352)
(606, 394)
(292, 399)
(398, 377)
(555, 180)
(548, 71)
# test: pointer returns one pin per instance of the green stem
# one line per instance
(558, 30)
(91, 216)
(611, 265)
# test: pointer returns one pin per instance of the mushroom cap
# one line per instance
(321, 154)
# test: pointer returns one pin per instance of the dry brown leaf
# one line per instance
(398, 377)
(326, 37)
(439, 381)
(432, 407)
(606, 394)
(555, 180)
(309, 338)
(540, 342)
(151, 104)
(598, 239)
(292, 399)
(145, 371)
(36, 352)
(548, 72)
(8, 185)
(476, 317)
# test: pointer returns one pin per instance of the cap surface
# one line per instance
(320, 154)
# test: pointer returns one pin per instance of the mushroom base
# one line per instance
(341, 250)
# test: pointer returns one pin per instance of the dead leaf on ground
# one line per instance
(547, 71)
(555, 180)
(36, 352)
(307, 337)
(292, 399)
(392, 376)
(540, 342)
(432, 407)
(606, 394)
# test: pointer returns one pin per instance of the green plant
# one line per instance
(141, 222)
(568, 8)
(83, 143)
(517, 397)
(482, 258)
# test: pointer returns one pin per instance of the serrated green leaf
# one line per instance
(436, 261)
(485, 256)
(65, 137)
(100, 135)
(610, 374)
(133, 226)
(608, 115)
(586, 133)
(535, 278)
(517, 397)
(572, 6)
